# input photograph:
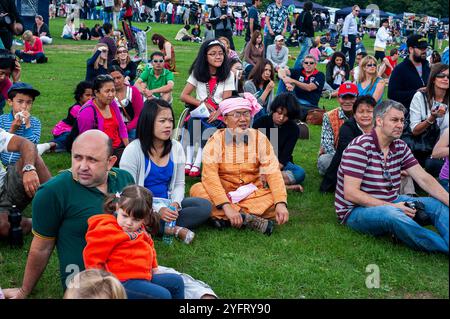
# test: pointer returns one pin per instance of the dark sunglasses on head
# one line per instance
(103, 77)
(442, 76)
(158, 61)
(122, 51)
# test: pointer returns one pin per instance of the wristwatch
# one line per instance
(28, 168)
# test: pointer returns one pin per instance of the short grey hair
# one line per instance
(310, 56)
(385, 106)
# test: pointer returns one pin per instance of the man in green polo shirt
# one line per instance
(156, 82)
(62, 206)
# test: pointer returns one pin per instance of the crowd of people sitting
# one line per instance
(377, 155)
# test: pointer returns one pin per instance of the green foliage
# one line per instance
(310, 257)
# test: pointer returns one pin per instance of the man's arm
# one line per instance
(23, 146)
(440, 150)
(304, 86)
(38, 258)
(164, 89)
(428, 183)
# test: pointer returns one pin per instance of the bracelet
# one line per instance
(429, 122)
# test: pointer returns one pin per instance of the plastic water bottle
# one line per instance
(168, 238)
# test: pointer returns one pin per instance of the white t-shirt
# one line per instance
(169, 8)
(5, 137)
(202, 92)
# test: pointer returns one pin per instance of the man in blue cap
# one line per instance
(412, 74)
(19, 182)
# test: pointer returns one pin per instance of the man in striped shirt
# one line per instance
(367, 192)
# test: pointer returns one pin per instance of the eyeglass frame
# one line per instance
(158, 61)
(246, 114)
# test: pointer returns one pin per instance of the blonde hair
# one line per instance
(95, 284)
(97, 62)
(362, 72)
(27, 35)
(227, 46)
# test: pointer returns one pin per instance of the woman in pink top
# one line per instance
(33, 51)
(102, 113)
(441, 151)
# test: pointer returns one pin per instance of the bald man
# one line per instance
(63, 205)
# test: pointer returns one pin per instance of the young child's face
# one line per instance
(21, 102)
(128, 223)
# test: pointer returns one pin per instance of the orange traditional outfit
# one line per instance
(233, 161)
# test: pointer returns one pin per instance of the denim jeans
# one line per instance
(297, 171)
(26, 57)
(60, 141)
(162, 286)
(305, 46)
(385, 219)
(305, 105)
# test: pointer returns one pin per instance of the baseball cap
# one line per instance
(348, 88)
(23, 88)
(417, 41)
(279, 37)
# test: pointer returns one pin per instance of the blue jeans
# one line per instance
(60, 141)
(26, 57)
(305, 105)
(305, 46)
(162, 286)
(388, 219)
(297, 171)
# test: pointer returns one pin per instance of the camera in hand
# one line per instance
(15, 230)
(421, 217)
(5, 20)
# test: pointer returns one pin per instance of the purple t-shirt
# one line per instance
(444, 170)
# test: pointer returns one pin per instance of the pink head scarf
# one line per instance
(248, 102)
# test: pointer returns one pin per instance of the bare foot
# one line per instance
(295, 188)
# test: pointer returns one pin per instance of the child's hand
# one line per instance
(26, 116)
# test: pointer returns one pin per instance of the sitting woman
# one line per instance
(69, 30)
(157, 162)
(123, 60)
(84, 33)
(241, 174)
(359, 124)
(102, 113)
(428, 114)
(231, 54)
(284, 110)
(338, 71)
(83, 93)
(33, 51)
(253, 52)
(98, 63)
(260, 84)
(168, 49)
(129, 100)
(369, 83)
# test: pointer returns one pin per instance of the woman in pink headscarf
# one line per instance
(241, 174)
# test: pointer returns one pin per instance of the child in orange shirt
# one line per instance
(118, 243)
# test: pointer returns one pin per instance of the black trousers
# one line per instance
(227, 34)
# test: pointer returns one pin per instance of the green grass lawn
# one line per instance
(310, 257)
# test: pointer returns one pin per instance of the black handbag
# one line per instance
(425, 142)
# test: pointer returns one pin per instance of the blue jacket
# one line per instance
(405, 81)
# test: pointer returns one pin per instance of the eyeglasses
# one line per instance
(387, 176)
(122, 51)
(103, 77)
(237, 115)
(158, 61)
(214, 54)
(309, 62)
(442, 76)
(371, 65)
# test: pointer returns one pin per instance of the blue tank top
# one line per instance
(369, 90)
(158, 180)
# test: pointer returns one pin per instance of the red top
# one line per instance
(126, 255)
(36, 48)
(111, 128)
(393, 63)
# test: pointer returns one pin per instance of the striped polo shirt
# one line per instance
(363, 159)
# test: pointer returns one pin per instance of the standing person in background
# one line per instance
(15, 28)
(276, 22)
(108, 6)
(115, 13)
(108, 39)
(440, 34)
(222, 20)
(169, 11)
(253, 20)
(381, 40)
(304, 24)
(167, 49)
(349, 33)
(432, 31)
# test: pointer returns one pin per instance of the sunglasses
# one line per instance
(104, 77)
(442, 76)
(158, 61)
(309, 63)
(371, 65)
(122, 51)
(387, 176)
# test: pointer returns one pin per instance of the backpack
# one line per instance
(76, 130)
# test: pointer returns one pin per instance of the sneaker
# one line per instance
(33, 61)
(260, 224)
(195, 171)
(187, 169)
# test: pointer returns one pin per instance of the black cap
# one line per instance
(417, 41)
(23, 88)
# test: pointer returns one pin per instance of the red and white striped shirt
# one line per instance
(363, 159)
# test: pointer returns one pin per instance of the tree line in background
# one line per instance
(434, 8)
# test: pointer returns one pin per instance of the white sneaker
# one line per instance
(42, 148)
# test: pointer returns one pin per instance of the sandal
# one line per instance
(187, 169)
(195, 171)
(184, 234)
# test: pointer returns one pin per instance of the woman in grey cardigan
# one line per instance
(157, 163)
(260, 84)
